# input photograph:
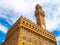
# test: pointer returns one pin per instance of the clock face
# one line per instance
(43, 26)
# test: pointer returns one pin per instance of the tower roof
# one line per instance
(39, 10)
(38, 6)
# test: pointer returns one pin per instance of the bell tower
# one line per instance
(39, 14)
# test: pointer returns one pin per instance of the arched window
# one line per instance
(24, 36)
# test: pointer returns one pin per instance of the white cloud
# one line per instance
(27, 7)
(58, 39)
(17, 5)
(51, 8)
(52, 17)
(3, 28)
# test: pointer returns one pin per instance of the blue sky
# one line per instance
(11, 10)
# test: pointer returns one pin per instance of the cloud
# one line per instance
(3, 28)
(17, 5)
(58, 39)
(52, 16)
(27, 7)
(9, 15)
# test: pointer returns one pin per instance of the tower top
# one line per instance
(38, 6)
(39, 14)
(39, 10)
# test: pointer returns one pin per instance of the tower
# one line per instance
(39, 14)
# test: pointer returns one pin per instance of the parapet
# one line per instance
(32, 26)
(22, 21)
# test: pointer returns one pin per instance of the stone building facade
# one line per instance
(24, 32)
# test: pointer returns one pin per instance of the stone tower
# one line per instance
(39, 14)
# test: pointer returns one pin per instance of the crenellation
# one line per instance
(11, 29)
(13, 25)
(35, 27)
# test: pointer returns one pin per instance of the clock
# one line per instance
(43, 26)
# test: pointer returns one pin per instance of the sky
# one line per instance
(11, 10)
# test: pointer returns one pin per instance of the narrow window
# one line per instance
(35, 41)
(24, 36)
(29, 39)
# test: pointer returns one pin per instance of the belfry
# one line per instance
(39, 13)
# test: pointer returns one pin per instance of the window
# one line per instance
(43, 32)
(29, 44)
(39, 43)
(30, 33)
(23, 36)
(29, 39)
(23, 22)
(33, 26)
(38, 29)
(30, 24)
(35, 41)
(26, 23)
(23, 43)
